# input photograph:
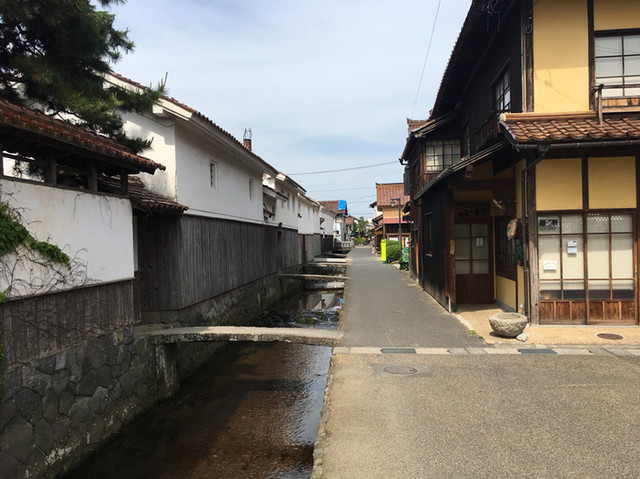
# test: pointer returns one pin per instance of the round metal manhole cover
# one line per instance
(611, 336)
(400, 370)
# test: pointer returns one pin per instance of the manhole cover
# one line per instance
(400, 370)
(611, 336)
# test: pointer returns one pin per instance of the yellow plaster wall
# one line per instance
(518, 179)
(560, 56)
(559, 184)
(506, 291)
(391, 212)
(612, 182)
(616, 14)
(505, 174)
(483, 171)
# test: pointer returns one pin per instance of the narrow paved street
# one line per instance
(412, 394)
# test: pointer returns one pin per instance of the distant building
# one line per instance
(390, 201)
(342, 226)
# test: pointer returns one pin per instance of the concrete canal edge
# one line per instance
(321, 437)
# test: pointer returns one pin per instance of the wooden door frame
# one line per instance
(488, 220)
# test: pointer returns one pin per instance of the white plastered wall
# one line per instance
(237, 193)
(308, 216)
(161, 132)
(96, 230)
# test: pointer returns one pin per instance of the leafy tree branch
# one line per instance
(53, 58)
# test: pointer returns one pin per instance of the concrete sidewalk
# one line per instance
(416, 392)
(476, 318)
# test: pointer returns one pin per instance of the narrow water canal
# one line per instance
(252, 411)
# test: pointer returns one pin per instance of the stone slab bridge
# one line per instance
(318, 337)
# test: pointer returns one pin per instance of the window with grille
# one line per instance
(617, 64)
(440, 154)
(586, 256)
(502, 94)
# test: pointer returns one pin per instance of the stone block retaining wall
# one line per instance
(58, 406)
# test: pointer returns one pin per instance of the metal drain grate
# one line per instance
(536, 351)
(611, 336)
(400, 370)
(398, 350)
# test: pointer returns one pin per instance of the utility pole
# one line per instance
(399, 221)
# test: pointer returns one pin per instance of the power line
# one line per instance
(343, 169)
(433, 29)
(342, 189)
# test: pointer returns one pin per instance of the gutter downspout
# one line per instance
(542, 150)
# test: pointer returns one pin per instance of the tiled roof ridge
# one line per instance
(193, 111)
(385, 192)
(532, 116)
(144, 199)
(37, 122)
(417, 124)
(527, 128)
(332, 205)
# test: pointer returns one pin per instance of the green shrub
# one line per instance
(393, 251)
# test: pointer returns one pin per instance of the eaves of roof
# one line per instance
(25, 120)
(471, 160)
(577, 128)
(208, 123)
(467, 54)
(429, 127)
(144, 200)
(287, 179)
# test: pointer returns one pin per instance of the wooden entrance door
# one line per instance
(473, 260)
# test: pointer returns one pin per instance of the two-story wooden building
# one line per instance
(389, 221)
(524, 179)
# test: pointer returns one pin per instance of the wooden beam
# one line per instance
(532, 233)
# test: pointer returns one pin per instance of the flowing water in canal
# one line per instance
(252, 411)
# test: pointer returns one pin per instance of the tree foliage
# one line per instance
(361, 227)
(393, 251)
(53, 58)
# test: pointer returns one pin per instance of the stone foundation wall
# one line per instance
(57, 407)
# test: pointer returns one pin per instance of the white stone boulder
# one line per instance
(508, 325)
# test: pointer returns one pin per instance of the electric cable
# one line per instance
(424, 66)
(343, 169)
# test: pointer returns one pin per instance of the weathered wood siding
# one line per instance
(433, 271)
(187, 259)
(39, 325)
(327, 243)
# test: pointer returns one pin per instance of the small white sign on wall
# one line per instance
(550, 266)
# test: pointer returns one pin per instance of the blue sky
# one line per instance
(323, 85)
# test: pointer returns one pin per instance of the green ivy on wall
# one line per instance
(12, 235)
